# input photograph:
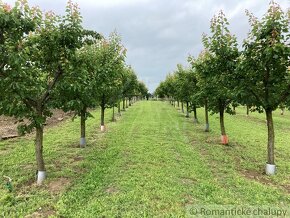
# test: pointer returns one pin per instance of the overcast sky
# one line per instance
(159, 34)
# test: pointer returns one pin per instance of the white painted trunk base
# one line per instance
(102, 128)
(83, 142)
(270, 169)
(41, 175)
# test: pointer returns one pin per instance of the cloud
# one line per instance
(112, 3)
(159, 34)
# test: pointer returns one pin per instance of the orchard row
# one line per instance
(222, 77)
(50, 61)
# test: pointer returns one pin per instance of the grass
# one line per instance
(63, 157)
(152, 162)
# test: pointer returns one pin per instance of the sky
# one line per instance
(159, 34)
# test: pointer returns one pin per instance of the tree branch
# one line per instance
(29, 102)
(257, 97)
(46, 95)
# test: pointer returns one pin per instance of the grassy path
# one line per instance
(155, 164)
(152, 162)
(150, 168)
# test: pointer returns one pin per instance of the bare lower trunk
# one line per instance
(124, 104)
(224, 137)
(119, 108)
(41, 172)
(195, 120)
(206, 117)
(222, 124)
(271, 136)
(248, 109)
(103, 114)
(113, 115)
(187, 110)
(182, 108)
(39, 148)
(130, 101)
(178, 104)
(83, 128)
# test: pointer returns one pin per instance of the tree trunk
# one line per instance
(103, 114)
(119, 108)
(39, 155)
(195, 120)
(222, 124)
(178, 104)
(187, 109)
(234, 110)
(182, 108)
(124, 104)
(271, 136)
(248, 109)
(83, 128)
(113, 115)
(224, 137)
(130, 101)
(206, 116)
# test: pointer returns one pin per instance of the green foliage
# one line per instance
(160, 90)
(78, 91)
(42, 60)
(202, 67)
(130, 85)
(108, 57)
(223, 52)
(142, 89)
(263, 72)
(168, 87)
(12, 52)
(186, 85)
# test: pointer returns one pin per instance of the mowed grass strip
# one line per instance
(239, 167)
(148, 169)
(65, 162)
(157, 162)
(247, 149)
(152, 163)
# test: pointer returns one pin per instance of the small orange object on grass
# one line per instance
(224, 139)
